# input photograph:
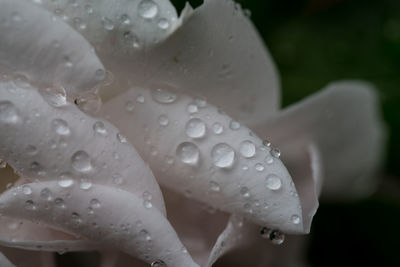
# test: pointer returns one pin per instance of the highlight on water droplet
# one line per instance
(223, 156)
(188, 153)
(195, 128)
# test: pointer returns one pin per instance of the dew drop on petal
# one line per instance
(107, 23)
(46, 194)
(163, 120)
(195, 128)
(95, 203)
(59, 203)
(223, 155)
(148, 9)
(244, 191)
(8, 112)
(85, 184)
(192, 108)
(99, 128)
(214, 186)
(217, 128)
(163, 24)
(247, 149)
(273, 182)
(163, 96)
(276, 237)
(140, 99)
(60, 127)
(81, 161)
(276, 153)
(158, 263)
(234, 125)
(26, 189)
(129, 106)
(30, 205)
(295, 219)
(259, 167)
(55, 96)
(121, 138)
(269, 160)
(188, 153)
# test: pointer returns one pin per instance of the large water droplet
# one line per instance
(247, 149)
(273, 182)
(60, 127)
(195, 128)
(148, 9)
(163, 96)
(188, 153)
(65, 180)
(223, 155)
(90, 103)
(8, 112)
(81, 161)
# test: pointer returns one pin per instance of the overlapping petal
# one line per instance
(45, 49)
(79, 162)
(5, 262)
(343, 122)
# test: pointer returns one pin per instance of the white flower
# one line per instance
(84, 180)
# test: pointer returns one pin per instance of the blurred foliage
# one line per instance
(313, 43)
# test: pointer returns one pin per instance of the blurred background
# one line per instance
(314, 42)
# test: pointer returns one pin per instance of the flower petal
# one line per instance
(25, 258)
(241, 245)
(89, 159)
(182, 140)
(45, 49)
(343, 122)
(110, 216)
(27, 235)
(213, 51)
(4, 261)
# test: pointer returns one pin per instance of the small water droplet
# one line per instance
(55, 96)
(259, 167)
(163, 96)
(195, 128)
(214, 186)
(95, 203)
(163, 120)
(295, 219)
(59, 202)
(234, 125)
(244, 191)
(276, 237)
(85, 184)
(30, 205)
(269, 160)
(217, 128)
(81, 161)
(188, 153)
(46, 194)
(31, 150)
(125, 19)
(247, 149)
(117, 178)
(122, 139)
(60, 127)
(200, 102)
(163, 24)
(273, 182)
(223, 156)
(90, 103)
(26, 189)
(99, 128)
(129, 106)
(8, 112)
(276, 153)
(140, 99)
(158, 263)
(107, 23)
(148, 9)
(88, 9)
(76, 218)
(65, 180)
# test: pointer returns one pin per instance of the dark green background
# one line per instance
(318, 41)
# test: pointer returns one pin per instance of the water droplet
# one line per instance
(163, 120)
(234, 125)
(276, 153)
(125, 19)
(60, 127)
(163, 24)
(100, 74)
(217, 128)
(90, 103)
(85, 184)
(192, 108)
(140, 99)
(81, 161)
(273, 182)
(131, 39)
(188, 153)
(95, 203)
(269, 160)
(3, 164)
(259, 167)
(129, 106)
(200, 102)
(276, 237)
(195, 128)
(148, 9)
(107, 23)
(30, 205)
(147, 204)
(31, 150)
(65, 180)
(121, 138)
(214, 186)
(223, 155)
(8, 112)
(46, 194)
(99, 128)
(55, 96)
(88, 9)
(266, 142)
(76, 218)
(295, 219)
(247, 149)
(158, 263)
(163, 96)
(117, 178)
(244, 191)
(26, 189)
(59, 202)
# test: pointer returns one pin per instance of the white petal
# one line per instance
(88, 159)
(241, 245)
(343, 122)
(4, 262)
(45, 49)
(27, 235)
(118, 220)
(216, 53)
(186, 151)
